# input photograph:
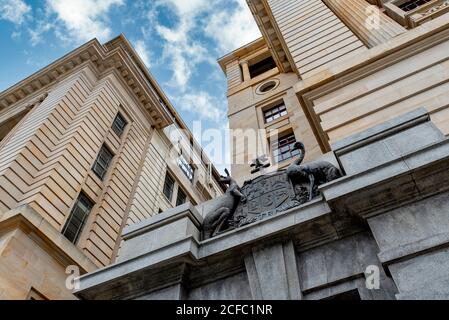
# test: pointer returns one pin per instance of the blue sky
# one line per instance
(180, 41)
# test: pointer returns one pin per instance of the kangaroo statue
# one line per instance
(224, 208)
(315, 173)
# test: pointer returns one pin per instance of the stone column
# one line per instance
(273, 273)
(245, 70)
(367, 21)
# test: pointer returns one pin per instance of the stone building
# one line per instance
(88, 145)
(326, 69)
(364, 85)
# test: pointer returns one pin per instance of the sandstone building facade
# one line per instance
(364, 85)
(327, 69)
(88, 145)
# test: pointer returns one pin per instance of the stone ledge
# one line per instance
(188, 249)
(263, 228)
(437, 290)
(411, 176)
(381, 131)
(178, 252)
(159, 220)
(415, 248)
(26, 217)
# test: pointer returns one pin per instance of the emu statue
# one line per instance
(224, 208)
(315, 173)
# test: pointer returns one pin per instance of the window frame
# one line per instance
(416, 16)
(275, 146)
(115, 127)
(280, 112)
(82, 221)
(173, 182)
(181, 191)
(104, 166)
(183, 164)
(256, 71)
(400, 4)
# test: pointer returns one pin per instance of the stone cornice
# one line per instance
(272, 35)
(240, 52)
(114, 54)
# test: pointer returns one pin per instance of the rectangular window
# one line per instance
(275, 112)
(262, 66)
(102, 162)
(181, 198)
(186, 167)
(413, 4)
(77, 218)
(282, 148)
(119, 124)
(169, 185)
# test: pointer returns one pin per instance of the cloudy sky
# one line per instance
(179, 40)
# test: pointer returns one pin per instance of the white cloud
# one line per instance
(231, 30)
(83, 19)
(14, 11)
(38, 31)
(201, 103)
(229, 24)
(202, 31)
(142, 50)
(182, 51)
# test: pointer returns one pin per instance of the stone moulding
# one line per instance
(188, 249)
(27, 219)
(116, 55)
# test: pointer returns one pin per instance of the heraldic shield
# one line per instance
(266, 196)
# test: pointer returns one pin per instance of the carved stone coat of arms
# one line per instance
(266, 195)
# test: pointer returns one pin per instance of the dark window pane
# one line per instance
(77, 218)
(169, 184)
(102, 162)
(261, 67)
(119, 124)
(181, 198)
(413, 4)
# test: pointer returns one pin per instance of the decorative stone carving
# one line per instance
(315, 173)
(262, 197)
(216, 218)
(259, 164)
(268, 194)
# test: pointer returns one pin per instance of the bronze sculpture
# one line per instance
(268, 194)
(224, 208)
(314, 173)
